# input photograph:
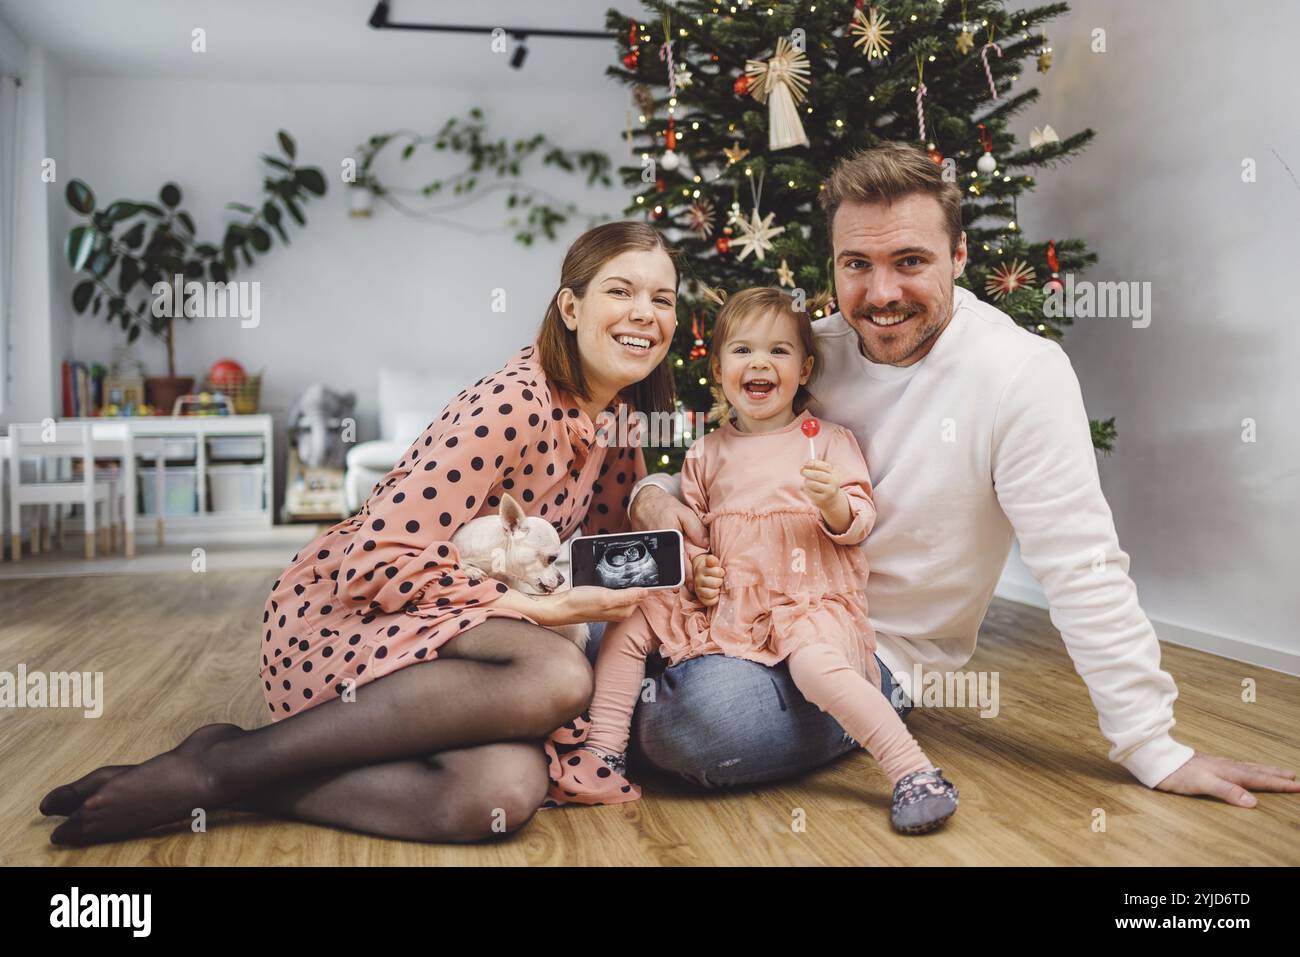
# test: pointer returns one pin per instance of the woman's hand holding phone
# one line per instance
(584, 603)
(707, 574)
(577, 605)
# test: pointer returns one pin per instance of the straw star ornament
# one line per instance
(1008, 277)
(872, 31)
(699, 218)
(756, 235)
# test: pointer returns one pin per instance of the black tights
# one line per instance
(480, 710)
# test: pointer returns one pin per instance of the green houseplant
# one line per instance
(129, 246)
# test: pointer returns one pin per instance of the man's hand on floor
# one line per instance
(1229, 781)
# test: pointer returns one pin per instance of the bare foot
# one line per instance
(163, 789)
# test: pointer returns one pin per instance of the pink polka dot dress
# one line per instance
(385, 588)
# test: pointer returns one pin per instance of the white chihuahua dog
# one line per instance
(518, 550)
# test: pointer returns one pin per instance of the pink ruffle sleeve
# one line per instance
(844, 453)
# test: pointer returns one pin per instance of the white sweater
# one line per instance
(983, 440)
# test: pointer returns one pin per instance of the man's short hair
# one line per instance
(888, 172)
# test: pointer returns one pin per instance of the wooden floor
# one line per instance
(179, 650)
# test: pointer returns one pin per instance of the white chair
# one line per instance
(115, 488)
(157, 447)
(116, 440)
(48, 521)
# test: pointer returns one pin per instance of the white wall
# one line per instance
(36, 344)
(13, 50)
(348, 295)
(1211, 523)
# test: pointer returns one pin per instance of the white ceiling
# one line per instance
(314, 39)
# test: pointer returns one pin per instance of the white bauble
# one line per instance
(986, 163)
(670, 160)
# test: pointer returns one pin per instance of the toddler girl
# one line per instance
(783, 578)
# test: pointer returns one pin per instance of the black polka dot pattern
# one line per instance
(342, 615)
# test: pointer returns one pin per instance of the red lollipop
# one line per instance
(810, 427)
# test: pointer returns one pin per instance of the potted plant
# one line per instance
(157, 242)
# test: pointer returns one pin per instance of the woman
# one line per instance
(407, 701)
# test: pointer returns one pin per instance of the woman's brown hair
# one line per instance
(557, 344)
(753, 303)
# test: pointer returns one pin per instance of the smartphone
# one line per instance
(654, 559)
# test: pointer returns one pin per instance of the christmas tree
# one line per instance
(743, 108)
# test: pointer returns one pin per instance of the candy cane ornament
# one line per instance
(920, 98)
(920, 112)
(988, 71)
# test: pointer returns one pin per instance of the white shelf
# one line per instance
(204, 523)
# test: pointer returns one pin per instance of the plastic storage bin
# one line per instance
(180, 491)
(235, 488)
(177, 449)
(227, 448)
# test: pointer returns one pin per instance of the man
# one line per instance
(975, 432)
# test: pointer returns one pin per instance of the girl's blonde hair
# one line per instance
(749, 304)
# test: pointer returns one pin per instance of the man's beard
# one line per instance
(896, 348)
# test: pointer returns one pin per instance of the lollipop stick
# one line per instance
(810, 427)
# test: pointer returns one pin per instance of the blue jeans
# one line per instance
(720, 721)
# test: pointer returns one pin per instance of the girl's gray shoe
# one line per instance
(923, 800)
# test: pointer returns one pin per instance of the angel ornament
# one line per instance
(781, 83)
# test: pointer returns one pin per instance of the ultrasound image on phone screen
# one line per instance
(650, 559)
(627, 563)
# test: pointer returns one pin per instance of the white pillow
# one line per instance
(409, 425)
(405, 397)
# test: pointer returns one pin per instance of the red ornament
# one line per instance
(671, 135)
(661, 184)
(741, 86)
(226, 374)
(699, 350)
(631, 59)
(723, 245)
(935, 156)
(1053, 263)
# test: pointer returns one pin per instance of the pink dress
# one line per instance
(788, 579)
